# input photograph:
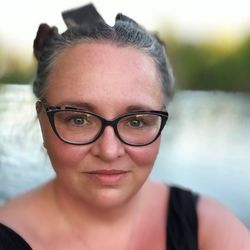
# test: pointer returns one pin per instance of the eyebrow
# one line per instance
(80, 105)
(90, 107)
(134, 108)
(75, 105)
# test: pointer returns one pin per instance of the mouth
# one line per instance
(107, 171)
(107, 176)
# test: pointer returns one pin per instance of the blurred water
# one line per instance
(205, 146)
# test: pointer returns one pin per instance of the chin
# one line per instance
(111, 198)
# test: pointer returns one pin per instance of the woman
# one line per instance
(102, 98)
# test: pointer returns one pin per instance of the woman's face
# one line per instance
(109, 81)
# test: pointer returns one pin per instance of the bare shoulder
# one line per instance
(219, 228)
(157, 192)
(14, 208)
(156, 203)
(19, 211)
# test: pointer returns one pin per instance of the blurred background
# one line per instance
(208, 41)
(206, 145)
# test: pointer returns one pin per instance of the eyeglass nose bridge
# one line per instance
(112, 123)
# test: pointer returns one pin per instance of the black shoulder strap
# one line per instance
(182, 225)
(10, 240)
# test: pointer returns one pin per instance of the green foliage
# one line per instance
(205, 67)
(17, 77)
(16, 68)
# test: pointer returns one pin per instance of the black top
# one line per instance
(182, 228)
(10, 240)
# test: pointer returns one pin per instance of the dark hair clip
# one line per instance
(44, 32)
(86, 16)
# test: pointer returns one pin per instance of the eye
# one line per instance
(141, 121)
(78, 120)
(135, 123)
(73, 119)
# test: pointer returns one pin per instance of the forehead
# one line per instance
(98, 54)
(102, 70)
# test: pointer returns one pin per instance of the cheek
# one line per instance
(66, 156)
(145, 156)
(62, 155)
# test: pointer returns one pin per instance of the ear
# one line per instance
(38, 111)
(38, 107)
(44, 145)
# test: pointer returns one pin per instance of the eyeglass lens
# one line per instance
(80, 127)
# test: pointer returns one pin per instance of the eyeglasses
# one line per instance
(78, 127)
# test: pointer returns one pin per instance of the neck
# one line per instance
(80, 214)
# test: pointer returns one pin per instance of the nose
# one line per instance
(108, 147)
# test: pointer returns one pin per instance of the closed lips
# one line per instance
(108, 172)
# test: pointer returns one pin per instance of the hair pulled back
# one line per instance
(86, 25)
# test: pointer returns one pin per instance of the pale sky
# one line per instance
(192, 19)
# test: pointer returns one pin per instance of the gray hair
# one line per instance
(126, 32)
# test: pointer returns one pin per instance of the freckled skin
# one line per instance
(110, 79)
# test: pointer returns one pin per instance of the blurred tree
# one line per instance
(209, 67)
(16, 69)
